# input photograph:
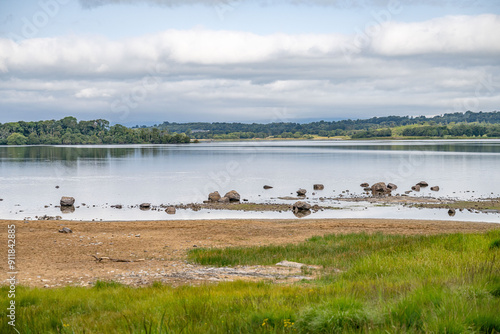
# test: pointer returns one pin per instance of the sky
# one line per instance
(150, 61)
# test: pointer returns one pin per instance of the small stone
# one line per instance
(65, 230)
(435, 188)
(145, 206)
(267, 187)
(301, 192)
(318, 187)
(392, 186)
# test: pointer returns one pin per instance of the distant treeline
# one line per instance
(469, 124)
(69, 131)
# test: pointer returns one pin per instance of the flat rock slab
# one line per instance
(297, 265)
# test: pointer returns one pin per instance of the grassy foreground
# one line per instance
(387, 284)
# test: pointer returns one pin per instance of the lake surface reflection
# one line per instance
(101, 176)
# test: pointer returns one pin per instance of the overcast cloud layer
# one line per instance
(447, 64)
(338, 3)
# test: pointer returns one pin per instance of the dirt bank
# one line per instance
(47, 258)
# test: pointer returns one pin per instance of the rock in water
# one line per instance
(423, 184)
(318, 187)
(416, 187)
(451, 212)
(214, 197)
(435, 188)
(145, 206)
(233, 196)
(301, 192)
(67, 201)
(364, 185)
(380, 189)
(170, 210)
(392, 186)
(301, 206)
(267, 187)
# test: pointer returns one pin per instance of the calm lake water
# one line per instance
(101, 176)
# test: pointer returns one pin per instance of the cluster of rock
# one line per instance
(230, 197)
(423, 184)
(147, 206)
(380, 188)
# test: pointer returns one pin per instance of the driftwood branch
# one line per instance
(100, 259)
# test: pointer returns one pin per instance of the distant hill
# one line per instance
(437, 126)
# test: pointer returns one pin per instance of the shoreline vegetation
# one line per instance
(449, 126)
(70, 131)
(352, 276)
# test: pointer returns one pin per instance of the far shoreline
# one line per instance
(315, 139)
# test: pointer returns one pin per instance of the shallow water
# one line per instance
(174, 174)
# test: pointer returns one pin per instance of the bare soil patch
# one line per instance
(157, 249)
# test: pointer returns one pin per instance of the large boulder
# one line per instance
(233, 196)
(380, 188)
(214, 197)
(224, 200)
(301, 206)
(318, 187)
(67, 201)
(301, 192)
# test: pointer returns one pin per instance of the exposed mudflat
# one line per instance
(157, 249)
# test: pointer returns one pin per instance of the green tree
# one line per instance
(16, 139)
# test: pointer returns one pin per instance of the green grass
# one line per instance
(387, 284)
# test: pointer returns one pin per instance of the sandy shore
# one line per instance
(47, 258)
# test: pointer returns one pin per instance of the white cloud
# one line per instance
(89, 93)
(446, 35)
(336, 3)
(435, 66)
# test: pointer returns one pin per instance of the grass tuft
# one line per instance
(495, 244)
